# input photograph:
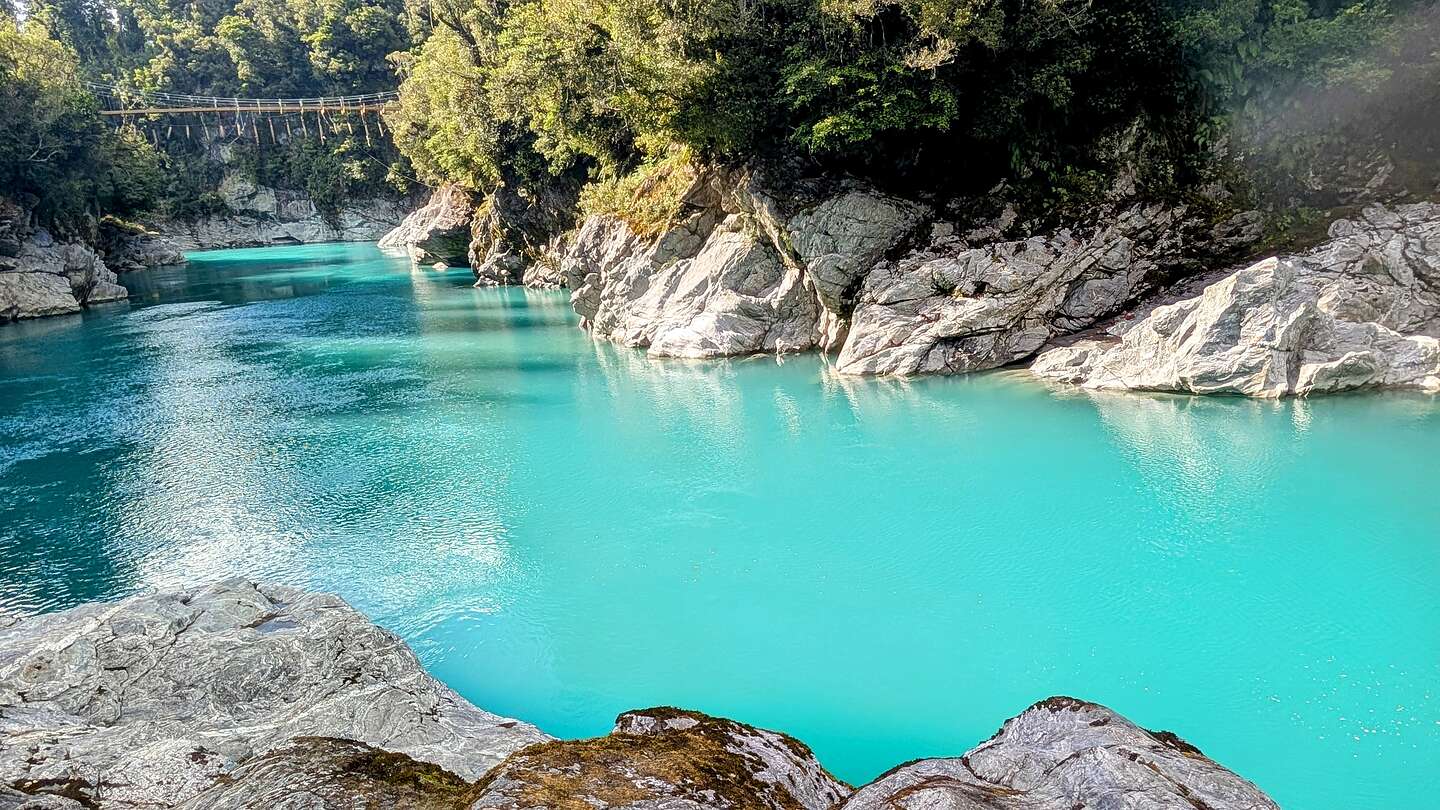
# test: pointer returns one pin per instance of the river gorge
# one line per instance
(564, 529)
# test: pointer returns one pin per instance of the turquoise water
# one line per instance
(887, 570)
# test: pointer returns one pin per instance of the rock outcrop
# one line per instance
(130, 247)
(844, 268)
(733, 276)
(952, 307)
(1062, 754)
(1362, 310)
(150, 700)
(663, 758)
(513, 228)
(41, 276)
(438, 231)
(255, 215)
(240, 696)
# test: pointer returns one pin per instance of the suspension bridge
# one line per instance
(189, 115)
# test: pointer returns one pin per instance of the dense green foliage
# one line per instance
(55, 154)
(1054, 98)
(247, 48)
(948, 96)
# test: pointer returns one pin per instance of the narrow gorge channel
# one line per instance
(565, 529)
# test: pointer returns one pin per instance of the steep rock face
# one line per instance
(129, 248)
(665, 758)
(513, 229)
(148, 701)
(952, 307)
(258, 216)
(736, 275)
(40, 276)
(1362, 310)
(1062, 754)
(438, 231)
(837, 267)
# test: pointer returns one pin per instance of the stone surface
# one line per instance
(238, 696)
(734, 275)
(1362, 310)
(42, 276)
(148, 701)
(666, 759)
(322, 772)
(1064, 754)
(952, 307)
(129, 248)
(514, 228)
(438, 231)
(293, 220)
(839, 266)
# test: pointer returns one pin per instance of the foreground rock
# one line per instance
(150, 700)
(245, 696)
(41, 275)
(665, 758)
(1360, 311)
(439, 231)
(328, 773)
(1063, 754)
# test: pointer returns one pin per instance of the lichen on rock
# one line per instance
(667, 758)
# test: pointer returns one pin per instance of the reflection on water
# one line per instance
(565, 529)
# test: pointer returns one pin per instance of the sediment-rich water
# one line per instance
(564, 530)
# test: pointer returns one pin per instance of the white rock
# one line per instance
(157, 695)
(1362, 310)
(946, 311)
(1062, 754)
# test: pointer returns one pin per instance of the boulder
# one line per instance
(151, 700)
(1063, 754)
(737, 273)
(35, 295)
(706, 288)
(439, 231)
(43, 276)
(665, 758)
(130, 247)
(1361, 310)
(953, 307)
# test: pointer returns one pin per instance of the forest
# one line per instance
(1053, 98)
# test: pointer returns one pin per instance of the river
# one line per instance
(884, 569)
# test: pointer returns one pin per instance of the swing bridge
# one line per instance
(190, 115)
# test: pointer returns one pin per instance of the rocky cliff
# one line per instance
(437, 232)
(41, 275)
(254, 215)
(239, 696)
(1358, 311)
(502, 236)
(894, 287)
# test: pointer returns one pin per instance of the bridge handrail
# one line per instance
(223, 103)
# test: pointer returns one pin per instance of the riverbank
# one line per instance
(235, 694)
